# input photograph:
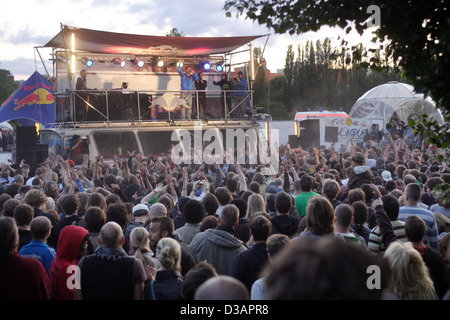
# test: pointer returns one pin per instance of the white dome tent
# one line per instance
(394, 99)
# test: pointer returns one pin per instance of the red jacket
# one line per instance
(69, 243)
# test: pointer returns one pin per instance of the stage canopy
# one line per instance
(394, 99)
(33, 100)
(103, 42)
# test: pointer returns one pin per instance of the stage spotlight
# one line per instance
(140, 63)
(206, 66)
(123, 63)
(219, 67)
(89, 63)
(160, 63)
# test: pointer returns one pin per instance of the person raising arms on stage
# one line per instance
(187, 78)
(225, 98)
(240, 96)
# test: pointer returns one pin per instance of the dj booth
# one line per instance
(112, 105)
(123, 105)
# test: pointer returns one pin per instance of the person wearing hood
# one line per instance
(360, 174)
(221, 245)
(284, 222)
(72, 245)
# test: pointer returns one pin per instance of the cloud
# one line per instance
(22, 68)
(193, 18)
(27, 36)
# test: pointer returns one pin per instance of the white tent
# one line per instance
(6, 126)
(394, 99)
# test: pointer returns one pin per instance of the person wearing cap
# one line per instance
(386, 175)
(360, 174)
(140, 214)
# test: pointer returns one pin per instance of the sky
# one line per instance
(26, 24)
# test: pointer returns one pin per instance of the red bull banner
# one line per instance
(33, 100)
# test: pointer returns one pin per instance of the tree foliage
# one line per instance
(174, 32)
(7, 85)
(414, 37)
(315, 76)
(415, 34)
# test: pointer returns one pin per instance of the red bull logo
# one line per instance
(39, 96)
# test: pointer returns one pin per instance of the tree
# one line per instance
(7, 85)
(175, 33)
(320, 77)
(416, 33)
(289, 76)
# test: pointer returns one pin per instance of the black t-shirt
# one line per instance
(201, 85)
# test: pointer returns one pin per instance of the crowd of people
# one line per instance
(146, 228)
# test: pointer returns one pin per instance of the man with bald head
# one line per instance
(109, 273)
(222, 287)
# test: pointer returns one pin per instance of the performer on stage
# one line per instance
(81, 81)
(186, 87)
(240, 95)
(201, 84)
(80, 105)
(225, 97)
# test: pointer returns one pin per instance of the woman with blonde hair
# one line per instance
(140, 249)
(168, 281)
(255, 203)
(410, 278)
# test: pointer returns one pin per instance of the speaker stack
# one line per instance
(28, 149)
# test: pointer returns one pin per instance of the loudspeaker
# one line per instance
(310, 133)
(25, 138)
(41, 152)
(294, 141)
(331, 134)
(260, 110)
(26, 146)
(30, 158)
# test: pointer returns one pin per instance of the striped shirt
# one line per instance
(431, 231)
(376, 238)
